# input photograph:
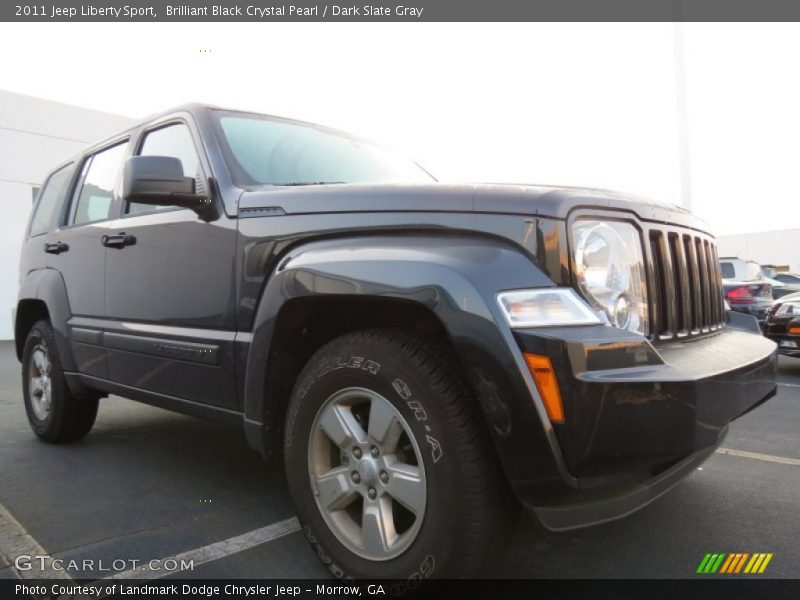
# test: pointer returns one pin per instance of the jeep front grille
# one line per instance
(685, 284)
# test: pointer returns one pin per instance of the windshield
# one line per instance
(268, 151)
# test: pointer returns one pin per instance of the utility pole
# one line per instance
(681, 108)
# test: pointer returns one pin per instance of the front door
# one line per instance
(170, 289)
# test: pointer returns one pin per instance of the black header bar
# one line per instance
(399, 10)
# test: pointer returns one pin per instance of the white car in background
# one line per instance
(739, 269)
(745, 287)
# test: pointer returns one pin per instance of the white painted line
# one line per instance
(202, 555)
(755, 455)
(15, 542)
(797, 385)
(215, 551)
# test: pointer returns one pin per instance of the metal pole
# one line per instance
(681, 107)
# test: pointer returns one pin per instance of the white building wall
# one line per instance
(764, 247)
(35, 135)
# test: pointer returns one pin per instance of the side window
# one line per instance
(99, 180)
(54, 190)
(176, 141)
(728, 271)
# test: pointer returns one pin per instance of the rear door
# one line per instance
(169, 293)
(39, 240)
(76, 250)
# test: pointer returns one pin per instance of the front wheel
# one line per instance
(389, 463)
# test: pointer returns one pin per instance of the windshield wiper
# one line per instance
(308, 183)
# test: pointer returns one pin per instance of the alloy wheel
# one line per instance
(40, 385)
(367, 473)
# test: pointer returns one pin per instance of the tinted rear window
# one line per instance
(53, 191)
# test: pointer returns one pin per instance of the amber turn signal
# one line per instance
(794, 330)
(545, 377)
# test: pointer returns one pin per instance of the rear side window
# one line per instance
(53, 191)
(176, 141)
(99, 181)
(728, 272)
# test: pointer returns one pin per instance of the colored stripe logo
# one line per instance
(734, 562)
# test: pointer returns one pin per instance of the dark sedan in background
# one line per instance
(782, 325)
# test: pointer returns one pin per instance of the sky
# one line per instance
(567, 104)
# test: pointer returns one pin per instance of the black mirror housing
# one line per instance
(160, 180)
(153, 179)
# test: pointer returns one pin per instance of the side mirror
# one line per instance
(159, 180)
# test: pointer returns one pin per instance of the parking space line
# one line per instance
(797, 385)
(215, 551)
(755, 455)
(16, 541)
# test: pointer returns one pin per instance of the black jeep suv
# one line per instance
(425, 357)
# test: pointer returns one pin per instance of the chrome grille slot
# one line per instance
(685, 293)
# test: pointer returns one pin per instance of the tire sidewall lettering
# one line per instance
(420, 415)
(330, 364)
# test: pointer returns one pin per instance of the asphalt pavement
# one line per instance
(149, 484)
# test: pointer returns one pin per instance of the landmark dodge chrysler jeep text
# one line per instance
(426, 357)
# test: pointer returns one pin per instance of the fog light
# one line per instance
(545, 377)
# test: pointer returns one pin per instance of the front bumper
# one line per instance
(637, 417)
(621, 504)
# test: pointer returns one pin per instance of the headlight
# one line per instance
(789, 309)
(610, 271)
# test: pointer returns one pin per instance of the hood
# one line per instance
(534, 200)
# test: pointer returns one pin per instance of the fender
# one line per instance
(457, 279)
(48, 286)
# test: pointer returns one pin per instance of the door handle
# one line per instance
(119, 240)
(55, 247)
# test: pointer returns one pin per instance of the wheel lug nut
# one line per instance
(355, 477)
(372, 493)
(357, 452)
(384, 476)
(374, 452)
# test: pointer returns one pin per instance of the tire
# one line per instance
(55, 415)
(438, 488)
